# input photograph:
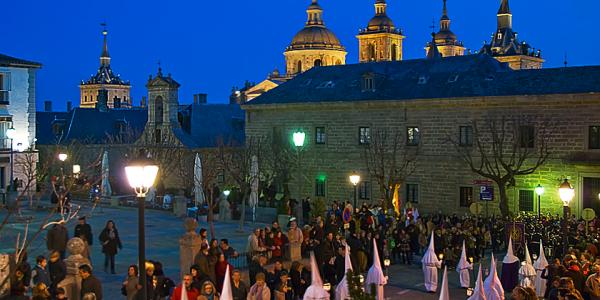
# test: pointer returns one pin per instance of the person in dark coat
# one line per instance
(239, 289)
(39, 274)
(257, 266)
(83, 231)
(57, 238)
(89, 283)
(202, 261)
(109, 237)
(57, 269)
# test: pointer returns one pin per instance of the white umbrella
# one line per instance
(198, 190)
(375, 274)
(341, 291)
(315, 291)
(105, 189)
(540, 264)
(445, 293)
(253, 201)
(478, 292)
(226, 293)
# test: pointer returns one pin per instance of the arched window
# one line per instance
(372, 52)
(338, 62)
(318, 62)
(299, 67)
(394, 52)
(158, 110)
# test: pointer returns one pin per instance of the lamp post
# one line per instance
(299, 138)
(354, 179)
(386, 263)
(539, 190)
(10, 134)
(566, 193)
(141, 175)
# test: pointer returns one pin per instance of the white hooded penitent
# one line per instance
(478, 292)
(341, 291)
(430, 264)
(463, 268)
(315, 291)
(527, 271)
(445, 293)
(492, 285)
(375, 274)
(540, 264)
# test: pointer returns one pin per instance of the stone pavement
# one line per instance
(162, 234)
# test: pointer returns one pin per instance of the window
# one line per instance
(320, 187)
(413, 136)
(4, 87)
(422, 80)
(499, 35)
(157, 136)
(5, 124)
(466, 196)
(326, 85)
(526, 136)
(394, 52)
(594, 138)
(466, 136)
(299, 67)
(320, 136)
(412, 193)
(525, 200)
(364, 190)
(368, 84)
(318, 62)
(364, 135)
(58, 127)
(221, 176)
(372, 52)
(158, 110)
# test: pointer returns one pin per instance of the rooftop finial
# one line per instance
(445, 11)
(159, 74)
(504, 8)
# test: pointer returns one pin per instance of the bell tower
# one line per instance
(380, 40)
(445, 39)
(163, 106)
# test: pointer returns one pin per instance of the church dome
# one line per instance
(315, 37)
(445, 35)
(380, 22)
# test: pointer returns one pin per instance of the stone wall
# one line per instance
(440, 172)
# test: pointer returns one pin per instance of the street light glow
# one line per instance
(566, 192)
(354, 178)
(226, 193)
(539, 190)
(10, 133)
(141, 176)
(62, 156)
(299, 138)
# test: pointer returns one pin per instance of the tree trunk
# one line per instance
(503, 199)
(243, 213)
(209, 217)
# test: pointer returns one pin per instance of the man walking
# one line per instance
(89, 283)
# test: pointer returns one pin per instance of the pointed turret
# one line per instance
(504, 15)
(105, 57)
(504, 8)
(445, 20)
(446, 40)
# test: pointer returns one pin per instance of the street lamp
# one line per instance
(386, 263)
(10, 133)
(299, 138)
(226, 193)
(354, 179)
(539, 190)
(566, 193)
(62, 157)
(141, 175)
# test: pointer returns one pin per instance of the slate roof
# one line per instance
(88, 125)
(105, 75)
(450, 77)
(215, 123)
(9, 61)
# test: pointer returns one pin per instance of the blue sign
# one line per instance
(486, 193)
(347, 214)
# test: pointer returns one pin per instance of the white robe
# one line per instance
(540, 284)
(431, 278)
(465, 278)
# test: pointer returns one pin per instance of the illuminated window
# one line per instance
(318, 62)
(320, 136)
(364, 135)
(413, 136)
(4, 87)
(525, 200)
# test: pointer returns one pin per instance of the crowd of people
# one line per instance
(276, 254)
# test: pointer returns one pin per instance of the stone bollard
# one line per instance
(189, 246)
(72, 282)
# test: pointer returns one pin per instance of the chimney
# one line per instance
(144, 102)
(47, 105)
(200, 98)
(116, 102)
(102, 101)
(69, 106)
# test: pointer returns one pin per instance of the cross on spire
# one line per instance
(432, 25)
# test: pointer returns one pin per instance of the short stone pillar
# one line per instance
(180, 206)
(224, 210)
(72, 282)
(189, 246)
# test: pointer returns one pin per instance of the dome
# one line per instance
(315, 37)
(445, 35)
(380, 22)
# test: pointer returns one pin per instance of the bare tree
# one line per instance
(390, 160)
(504, 147)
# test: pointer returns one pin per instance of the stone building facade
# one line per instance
(431, 101)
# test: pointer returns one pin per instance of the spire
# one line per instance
(445, 20)
(504, 8)
(104, 57)
(434, 52)
(315, 14)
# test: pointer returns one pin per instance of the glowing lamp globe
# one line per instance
(226, 193)
(566, 192)
(354, 178)
(11, 133)
(299, 138)
(539, 190)
(62, 156)
(141, 176)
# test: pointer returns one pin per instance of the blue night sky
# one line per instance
(210, 46)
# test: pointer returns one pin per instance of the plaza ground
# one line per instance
(163, 231)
